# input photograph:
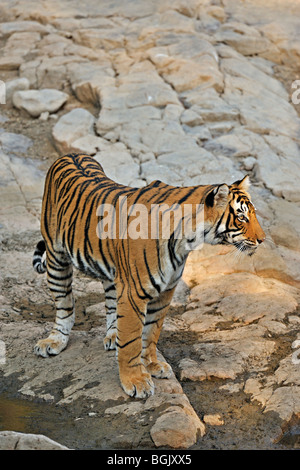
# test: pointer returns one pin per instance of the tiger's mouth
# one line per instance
(246, 247)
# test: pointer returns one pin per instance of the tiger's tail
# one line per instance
(38, 265)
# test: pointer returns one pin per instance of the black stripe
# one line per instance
(146, 295)
(128, 342)
(57, 278)
(186, 196)
(111, 287)
(154, 310)
(151, 322)
(155, 285)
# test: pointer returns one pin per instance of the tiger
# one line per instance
(139, 273)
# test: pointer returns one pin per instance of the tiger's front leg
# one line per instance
(135, 379)
(59, 277)
(156, 312)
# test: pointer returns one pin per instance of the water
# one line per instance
(16, 415)
(71, 425)
(30, 417)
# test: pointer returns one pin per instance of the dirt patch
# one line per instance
(29, 310)
(245, 425)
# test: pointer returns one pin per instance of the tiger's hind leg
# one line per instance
(59, 277)
(156, 313)
(111, 315)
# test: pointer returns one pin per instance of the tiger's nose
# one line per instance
(260, 240)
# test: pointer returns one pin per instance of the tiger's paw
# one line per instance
(159, 369)
(138, 385)
(110, 340)
(52, 345)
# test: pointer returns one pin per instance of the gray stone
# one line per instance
(71, 126)
(15, 143)
(11, 440)
(36, 102)
(118, 164)
(11, 27)
(245, 39)
(16, 85)
(10, 62)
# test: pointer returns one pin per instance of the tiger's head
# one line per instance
(231, 218)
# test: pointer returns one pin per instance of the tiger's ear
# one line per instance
(218, 197)
(243, 184)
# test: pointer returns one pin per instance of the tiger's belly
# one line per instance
(99, 269)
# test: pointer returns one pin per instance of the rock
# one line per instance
(285, 235)
(175, 65)
(17, 46)
(191, 118)
(118, 164)
(17, 84)
(190, 370)
(21, 188)
(197, 167)
(15, 143)
(283, 402)
(249, 163)
(10, 63)
(164, 138)
(100, 38)
(257, 104)
(181, 294)
(44, 116)
(228, 359)
(239, 67)
(259, 393)
(276, 172)
(229, 145)
(11, 440)
(245, 39)
(3, 118)
(71, 126)
(110, 119)
(152, 171)
(11, 27)
(97, 309)
(89, 81)
(248, 308)
(176, 429)
(276, 165)
(213, 420)
(36, 102)
(89, 144)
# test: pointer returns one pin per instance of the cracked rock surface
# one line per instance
(196, 92)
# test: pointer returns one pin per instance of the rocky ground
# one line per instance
(191, 93)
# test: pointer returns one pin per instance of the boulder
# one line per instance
(177, 427)
(18, 84)
(11, 440)
(70, 127)
(36, 102)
